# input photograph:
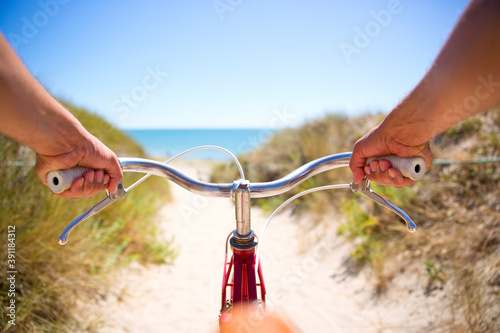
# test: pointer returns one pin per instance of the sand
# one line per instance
(305, 274)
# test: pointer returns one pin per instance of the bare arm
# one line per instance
(30, 115)
(463, 80)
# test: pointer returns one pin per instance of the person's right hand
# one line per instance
(378, 142)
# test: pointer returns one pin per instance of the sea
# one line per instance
(170, 142)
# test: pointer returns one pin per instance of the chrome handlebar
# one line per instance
(228, 190)
(257, 190)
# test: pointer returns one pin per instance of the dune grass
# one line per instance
(457, 209)
(51, 278)
(291, 148)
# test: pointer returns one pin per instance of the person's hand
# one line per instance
(252, 319)
(379, 142)
(90, 153)
(466, 67)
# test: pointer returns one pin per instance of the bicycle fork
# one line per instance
(240, 276)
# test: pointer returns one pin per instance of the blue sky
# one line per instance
(228, 63)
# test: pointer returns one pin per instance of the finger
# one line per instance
(94, 183)
(75, 191)
(357, 164)
(105, 180)
(367, 169)
(396, 177)
(373, 173)
(98, 176)
(358, 175)
(383, 174)
(377, 175)
(115, 175)
(91, 183)
(98, 182)
(379, 172)
(88, 185)
(384, 166)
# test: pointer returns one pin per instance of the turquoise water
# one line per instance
(169, 142)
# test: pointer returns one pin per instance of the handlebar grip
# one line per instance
(412, 167)
(61, 180)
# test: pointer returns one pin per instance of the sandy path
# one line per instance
(185, 296)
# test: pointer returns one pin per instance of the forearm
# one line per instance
(464, 79)
(29, 114)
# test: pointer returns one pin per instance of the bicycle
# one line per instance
(243, 281)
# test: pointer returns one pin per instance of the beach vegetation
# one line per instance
(50, 279)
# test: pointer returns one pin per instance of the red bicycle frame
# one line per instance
(240, 277)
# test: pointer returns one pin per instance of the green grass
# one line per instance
(434, 272)
(466, 127)
(51, 277)
(361, 226)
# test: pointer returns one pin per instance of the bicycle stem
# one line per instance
(242, 207)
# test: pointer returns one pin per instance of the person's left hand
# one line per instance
(93, 154)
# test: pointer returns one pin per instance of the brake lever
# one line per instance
(364, 188)
(108, 200)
